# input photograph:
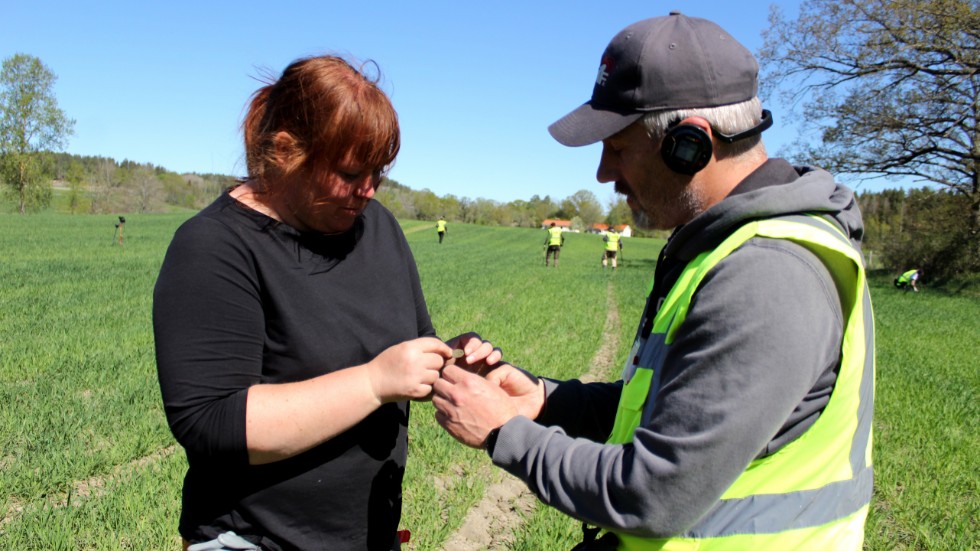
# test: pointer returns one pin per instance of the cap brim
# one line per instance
(587, 125)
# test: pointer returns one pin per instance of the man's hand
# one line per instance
(525, 390)
(469, 406)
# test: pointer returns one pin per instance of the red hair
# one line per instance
(318, 113)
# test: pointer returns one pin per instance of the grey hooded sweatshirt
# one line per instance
(751, 368)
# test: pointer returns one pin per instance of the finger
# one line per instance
(489, 363)
(435, 346)
(457, 354)
(495, 357)
(459, 341)
(479, 352)
(501, 371)
(441, 388)
(455, 374)
(447, 374)
(439, 402)
(422, 391)
(429, 377)
(430, 360)
(499, 374)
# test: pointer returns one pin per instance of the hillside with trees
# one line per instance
(101, 185)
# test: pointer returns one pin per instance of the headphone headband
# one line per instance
(765, 123)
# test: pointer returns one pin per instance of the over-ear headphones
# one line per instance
(686, 148)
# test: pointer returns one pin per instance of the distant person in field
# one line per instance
(441, 229)
(291, 329)
(614, 244)
(741, 420)
(909, 280)
(554, 242)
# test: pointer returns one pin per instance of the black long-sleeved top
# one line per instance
(243, 299)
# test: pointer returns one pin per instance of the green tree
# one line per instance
(481, 211)
(30, 123)
(584, 205)
(427, 205)
(619, 212)
(146, 189)
(542, 208)
(75, 175)
(891, 88)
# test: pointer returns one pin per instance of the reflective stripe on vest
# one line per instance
(612, 241)
(815, 491)
(554, 236)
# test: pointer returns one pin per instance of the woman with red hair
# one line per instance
(291, 330)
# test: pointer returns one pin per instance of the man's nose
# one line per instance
(608, 170)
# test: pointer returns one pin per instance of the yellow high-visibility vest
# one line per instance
(554, 236)
(612, 241)
(814, 493)
(907, 276)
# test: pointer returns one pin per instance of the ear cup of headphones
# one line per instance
(686, 148)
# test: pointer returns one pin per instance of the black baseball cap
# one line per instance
(672, 62)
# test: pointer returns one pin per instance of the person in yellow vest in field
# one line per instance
(441, 228)
(909, 280)
(614, 244)
(743, 416)
(554, 242)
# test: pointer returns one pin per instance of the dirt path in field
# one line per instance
(489, 524)
(417, 229)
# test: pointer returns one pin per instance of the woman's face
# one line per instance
(328, 200)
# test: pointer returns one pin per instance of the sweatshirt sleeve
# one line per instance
(585, 410)
(208, 329)
(761, 330)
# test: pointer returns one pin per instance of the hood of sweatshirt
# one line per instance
(810, 191)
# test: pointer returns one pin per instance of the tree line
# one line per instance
(920, 228)
(904, 228)
(100, 185)
(582, 208)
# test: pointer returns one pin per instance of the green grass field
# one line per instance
(87, 461)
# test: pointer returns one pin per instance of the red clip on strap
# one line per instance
(404, 536)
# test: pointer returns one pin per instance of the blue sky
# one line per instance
(475, 84)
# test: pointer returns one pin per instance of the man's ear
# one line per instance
(686, 147)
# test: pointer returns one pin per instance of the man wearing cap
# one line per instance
(743, 416)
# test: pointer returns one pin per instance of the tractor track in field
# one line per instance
(489, 525)
(81, 489)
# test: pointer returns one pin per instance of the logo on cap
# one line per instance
(607, 66)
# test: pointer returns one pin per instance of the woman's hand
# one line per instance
(479, 356)
(406, 371)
